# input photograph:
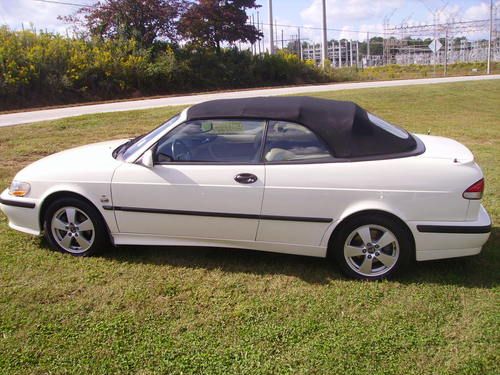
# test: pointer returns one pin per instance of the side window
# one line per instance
(213, 141)
(393, 129)
(288, 141)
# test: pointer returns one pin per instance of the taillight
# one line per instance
(475, 191)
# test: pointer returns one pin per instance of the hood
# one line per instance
(92, 162)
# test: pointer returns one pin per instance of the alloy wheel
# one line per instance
(371, 250)
(73, 229)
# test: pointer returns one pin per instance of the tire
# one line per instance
(372, 247)
(75, 227)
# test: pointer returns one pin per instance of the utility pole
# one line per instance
(488, 63)
(340, 53)
(446, 52)
(324, 49)
(368, 49)
(334, 64)
(282, 45)
(254, 47)
(357, 53)
(271, 31)
(350, 50)
(263, 37)
(385, 42)
(435, 39)
(258, 27)
(346, 53)
(300, 44)
(276, 32)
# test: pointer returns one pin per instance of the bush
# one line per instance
(44, 69)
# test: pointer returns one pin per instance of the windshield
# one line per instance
(135, 144)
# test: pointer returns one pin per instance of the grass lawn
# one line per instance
(214, 311)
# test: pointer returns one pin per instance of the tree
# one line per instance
(209, 23)
(140, 20)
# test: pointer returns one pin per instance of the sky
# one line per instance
(350, 19)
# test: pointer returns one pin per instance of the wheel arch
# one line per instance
(54, 196)
(345, 220)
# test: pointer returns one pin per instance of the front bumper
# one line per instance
(440, 240)
(23, 213)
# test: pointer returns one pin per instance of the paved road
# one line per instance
(57, 113)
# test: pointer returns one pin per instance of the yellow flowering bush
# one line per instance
(38, 68)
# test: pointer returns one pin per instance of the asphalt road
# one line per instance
(18, 118)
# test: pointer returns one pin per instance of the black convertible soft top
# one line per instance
(344, 126)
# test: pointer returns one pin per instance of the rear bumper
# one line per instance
(22, 213)
(440, 240)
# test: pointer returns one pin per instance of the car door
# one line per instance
(296, 208)
(207, 182)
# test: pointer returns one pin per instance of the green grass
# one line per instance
(214, 311)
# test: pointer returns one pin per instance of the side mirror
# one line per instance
(206, 126)
(147, 159)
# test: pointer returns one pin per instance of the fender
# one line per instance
(379, 205)
(99, 198)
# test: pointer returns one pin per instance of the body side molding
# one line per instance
(8, 202)
(453, 229)
(219, 214)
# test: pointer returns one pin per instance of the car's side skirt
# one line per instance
(158, 240)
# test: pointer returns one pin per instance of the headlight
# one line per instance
(19, 189)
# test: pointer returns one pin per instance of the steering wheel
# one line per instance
(180, 151)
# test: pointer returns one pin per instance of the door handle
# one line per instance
(245, 178)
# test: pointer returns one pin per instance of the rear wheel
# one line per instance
(75, 227)
(372, 247)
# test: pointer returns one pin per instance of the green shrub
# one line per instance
(44, 69)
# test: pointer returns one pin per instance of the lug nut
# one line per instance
(377, 246)
(363, 251)
(369, 256)
(377, 254)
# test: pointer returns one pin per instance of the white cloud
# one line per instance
(349, 19)
(19, 13)
(342, 11)
(480, 11)
(373, 28)
(450, 13)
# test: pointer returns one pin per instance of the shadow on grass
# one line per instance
(478, 271)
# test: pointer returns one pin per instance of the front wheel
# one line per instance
(372, 247)
(75, 227)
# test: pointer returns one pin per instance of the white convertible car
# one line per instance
(294, 175)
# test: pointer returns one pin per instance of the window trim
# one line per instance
(188, 162)
(136, 157)
(420, 149)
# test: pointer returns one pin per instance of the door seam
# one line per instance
(261, 203)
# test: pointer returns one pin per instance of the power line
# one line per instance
(66, 3)
(408, 27)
